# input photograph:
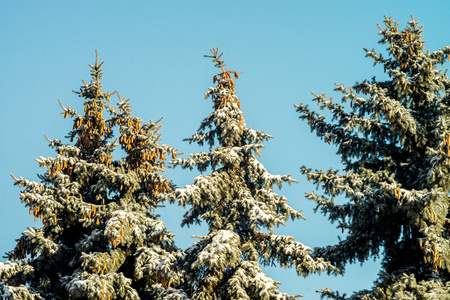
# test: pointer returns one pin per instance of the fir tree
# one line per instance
(394, 141)
(238, 203)
(100, 237)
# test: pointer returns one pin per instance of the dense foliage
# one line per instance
(100, 238)
(394, 140)
(237, 201)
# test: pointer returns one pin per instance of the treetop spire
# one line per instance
(225, 83)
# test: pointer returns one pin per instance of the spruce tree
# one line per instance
(239, 205)
(393, 136)
(100, 237)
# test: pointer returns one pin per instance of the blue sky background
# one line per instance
(153, 53)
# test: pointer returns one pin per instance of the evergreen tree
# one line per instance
(394, 141)
(238, 203)
(100, 237)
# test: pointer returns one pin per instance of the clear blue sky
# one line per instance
(153, 53)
